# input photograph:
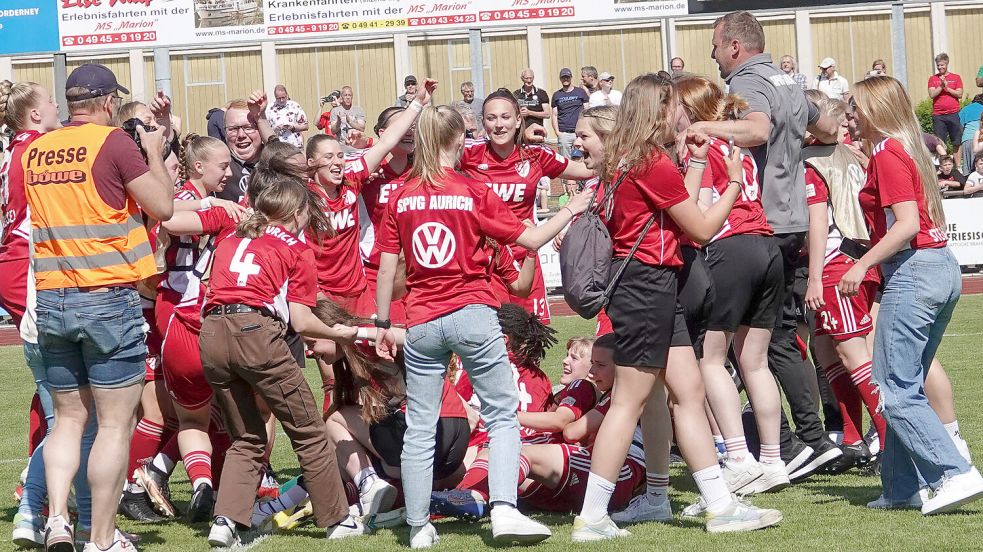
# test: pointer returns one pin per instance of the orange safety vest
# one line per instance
(79, 240)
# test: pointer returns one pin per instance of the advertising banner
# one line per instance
(119, 24)
(965, 229)
(28, 26)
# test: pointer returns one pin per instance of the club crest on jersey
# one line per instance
(349, 198)
(433, 244)
(522, 168)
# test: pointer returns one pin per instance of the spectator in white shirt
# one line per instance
(287, 117)
(606, 94)
(829, 82)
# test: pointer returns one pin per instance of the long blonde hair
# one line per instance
(887, 111)
(643, 125)
(704, 100)
(602, 119)
(16, 100)
(436, 130)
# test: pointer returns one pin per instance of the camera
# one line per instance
(330, 98)
(130, 128)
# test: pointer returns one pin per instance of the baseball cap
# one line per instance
(566, 72)
(826, 63)
(605, 76)
(98, 79)
(410, 79)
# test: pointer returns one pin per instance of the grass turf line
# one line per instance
(825, 513)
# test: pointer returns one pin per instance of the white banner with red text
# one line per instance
(964, 225)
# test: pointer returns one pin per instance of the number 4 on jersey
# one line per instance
(242, 263)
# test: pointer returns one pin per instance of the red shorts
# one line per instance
(181, 362)
(569, 494)
(154, 342)
(537, 303)
(844, 318)
(13, 288)
(603, 324)
(362, 305)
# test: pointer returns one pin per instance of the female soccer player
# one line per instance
(440, 220)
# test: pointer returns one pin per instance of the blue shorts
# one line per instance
(91, 338)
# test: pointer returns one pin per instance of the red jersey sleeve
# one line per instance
(579, 397)
(302, 281)
(388, 239)
(553, 163)
(356, 173)
(215, 221)
(895, 173)
(664, 185)
(496, 220)
(816, 192)
(505, 265)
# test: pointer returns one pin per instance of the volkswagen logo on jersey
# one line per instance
(522, 168)
(433, 245)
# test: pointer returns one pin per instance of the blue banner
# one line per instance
(28, 26)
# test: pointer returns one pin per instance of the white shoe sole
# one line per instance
(771, 517)
(766, 484)
(381, 501)
(591, 536)
(216, 541)
(967, 496)
(796, 463)
(521, 538)
(820, 461)
(25, 537)
(661, 518)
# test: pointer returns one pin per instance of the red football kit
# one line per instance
(15, 228)
(442, 232)
(892, 177)
(375, 197)
(748, 214)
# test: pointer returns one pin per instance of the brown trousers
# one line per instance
(246, 353)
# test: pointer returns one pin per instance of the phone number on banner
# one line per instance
(532, 13)
(113, 38)
(335, 26)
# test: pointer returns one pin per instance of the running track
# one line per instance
(972, 285)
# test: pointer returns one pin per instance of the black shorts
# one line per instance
(645, 315)
(748, 279)
(696, 295)
(799, 289)
(452, 442)
(948, 128)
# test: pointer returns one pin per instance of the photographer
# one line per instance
(90, 249)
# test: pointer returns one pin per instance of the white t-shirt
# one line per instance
(835, 87)
(599, 98)
(974, 179)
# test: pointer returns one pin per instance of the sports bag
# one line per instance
(585, 258)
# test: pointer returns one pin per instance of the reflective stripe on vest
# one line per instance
(79, 239)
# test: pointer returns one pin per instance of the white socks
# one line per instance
(364, 479)
(952, 429)
(596, 498)
(713, 488)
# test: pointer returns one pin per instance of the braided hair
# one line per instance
(529, 338)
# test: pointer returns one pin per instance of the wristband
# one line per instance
(362, 333)
(738, 182)
(570, 210)
(206, 203)
(383, 324)
(698, 163)
(415, 105)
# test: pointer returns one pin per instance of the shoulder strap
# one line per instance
(621, 270)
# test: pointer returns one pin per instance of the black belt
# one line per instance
(238, 308)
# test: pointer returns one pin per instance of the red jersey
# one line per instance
(181, 255)
(748, 215)
(648, 190)
(442, 230)
(514, 178)
(835, 264)
(15, 227)
(505, 272)
(339, 261)
(579, 396)
(266, 272)
(945, 103)
(892, 177)
(375, 197)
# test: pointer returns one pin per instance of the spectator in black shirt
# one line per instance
(534, 103)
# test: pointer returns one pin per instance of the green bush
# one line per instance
(924, 113)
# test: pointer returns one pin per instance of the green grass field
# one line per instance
(823, 513)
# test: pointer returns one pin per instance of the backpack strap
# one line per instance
(621, 270)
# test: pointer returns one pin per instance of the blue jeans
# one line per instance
(94, 338)
(920, 294)
(35, 488)
(474, 334)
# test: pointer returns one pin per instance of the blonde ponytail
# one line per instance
(436, 130)
(16, 100)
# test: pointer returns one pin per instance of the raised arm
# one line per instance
(399, 126)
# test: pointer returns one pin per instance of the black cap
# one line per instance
(410, 79)
(566, 72)
(98, 79)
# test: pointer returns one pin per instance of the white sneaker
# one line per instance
(27, 532)
(963, 448)
(223, 533)
(423, 536)
(58, 535)
(695, 511)
(645, 507)
(739, 474)
(379, 497)
(351, 526)
(511, 526)
(773, 478)
(954, 492)
(741, 516)
(120, 544)
(601, 530)
(913, 503)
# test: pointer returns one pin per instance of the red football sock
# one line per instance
(38, 427)
(849, 401)
(144, 445)
(171, 450)
(198, 464)
(870, 395)
(476, 478)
